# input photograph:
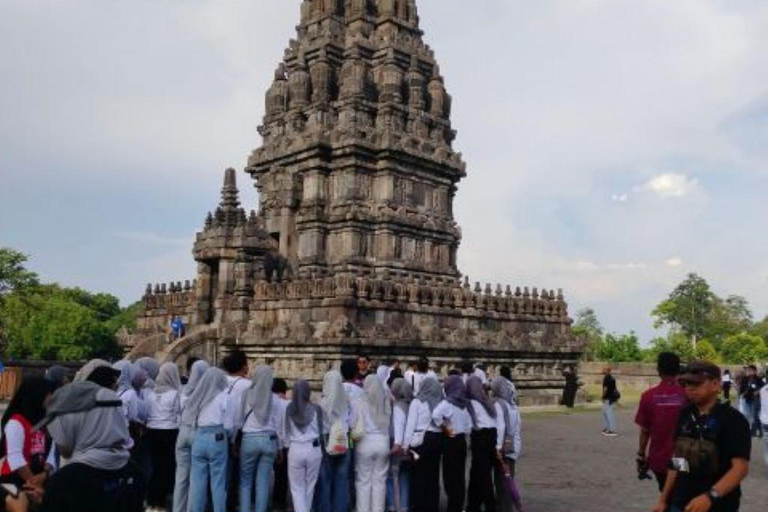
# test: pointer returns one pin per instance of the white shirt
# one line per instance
(515, 429)
(399, 421)
(419, 420)
(417, 378)
(726, 377)
(292, 433)
(452, 417)
(483, 420)
(250, 424)
(236, 386)
(764, 406)
(213, 413)
(14, 445)
(131, 403)
(369, 425)
(480, 374)
(164, 410)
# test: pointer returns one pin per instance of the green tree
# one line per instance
(706, 351)
(14, 277)
(619, 348)
(688, 308)
(587, 325)
(744, 349)
(675, 342)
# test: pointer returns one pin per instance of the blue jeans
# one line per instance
(210, 451)
(257, 455)
(333, 484)
(400, 473)
(183, 461)
(609, 417)
(765, 445)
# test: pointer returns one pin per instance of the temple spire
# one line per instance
(230, 196)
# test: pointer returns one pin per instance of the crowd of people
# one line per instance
(134, 436)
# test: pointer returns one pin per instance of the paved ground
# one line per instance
(568, 466)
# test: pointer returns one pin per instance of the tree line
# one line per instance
(700, 325)
(47, 321)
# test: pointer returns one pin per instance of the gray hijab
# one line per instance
(195, 374)
(378, 400)
(301, 411)
(128, 372)
(152, 368)
(57, 375)
(258, 398)
(430, 392)
(403, 393)
(88, 425)
(334, 401)
(88, 368)
(476, 392)
(168, 378)
(503, 395)
(213, 382)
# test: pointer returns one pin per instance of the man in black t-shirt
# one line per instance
(610, 397)
(749, 391)
(712, 449)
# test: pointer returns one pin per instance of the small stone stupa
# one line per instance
(354, 245)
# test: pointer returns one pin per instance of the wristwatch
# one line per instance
(713, 495)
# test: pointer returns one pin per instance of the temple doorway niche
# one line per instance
(213, 291)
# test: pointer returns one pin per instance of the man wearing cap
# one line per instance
(712, 447)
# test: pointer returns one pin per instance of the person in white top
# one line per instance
(126, 392)
(205, 411)
(512, 444)
(236, 366)
(398, 481)
(164, 408)
(373, 414)
(764, 420)
(184, 440)
(422, 372)
(302, 437)
(452, 417)
(486, 441)
(280, 487)
(422, 437)
(260, 417)
(333, 485)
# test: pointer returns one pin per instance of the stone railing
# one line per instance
(525, 303)
(170, 296)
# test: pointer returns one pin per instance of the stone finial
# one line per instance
(163, 289)
(148, 290)
(178, 286)
(230, 200)
(560, 294)
(209, 220)
(526, 292)
(535, 293)
(488, 289)
(478, 288)
(466, 283)
(157, 289)
(508, 291)
(499, 291)
(187, 285)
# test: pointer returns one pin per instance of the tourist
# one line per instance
(727, 384)
(236, 366)
(24, 449)
(177, 328)
(130, 384)
(506, 374)
(571, 388)
(486, 441)
(57, 375)
(748, 390)
(302, 436)
(87, 424)
(764, 422)
(354, 394)
(152, 367)
(382, 372)
(191, 360)
(657, 415)
(399, 478)
(164, 404)
(467, 369)
(186, 436)
(363, 369)
(205, 411)
(511, 447)
(127, 393)
(280, 487)
(104, 376)
(372, 418)
(481, 373)
(260, 418)
(452, 417)
(85, 372)
(422, 372)
(333, 484)
(610, 397)
(712, 449)
(422, 437)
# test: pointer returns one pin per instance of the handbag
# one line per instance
(358, 431)
(338, 441)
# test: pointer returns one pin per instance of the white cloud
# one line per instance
(674, 262)
(619, 198)
(671, 185)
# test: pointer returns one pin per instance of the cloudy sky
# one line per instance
(612, 145)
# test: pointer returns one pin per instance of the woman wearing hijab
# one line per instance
(163, 429)
(57, 375)
(486, 441)
(452, 417)
(303, 428)
(185, 438)
(88, 426)
(422, 437)
(260, 418)
(512, 441)
(24, 449)
(374, 412)
(333, 486)
(398, 481)
(135, 409)
(85, 372)
(125, 390)
(152, 367)
(205, 412)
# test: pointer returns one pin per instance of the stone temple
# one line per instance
(353, 248)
